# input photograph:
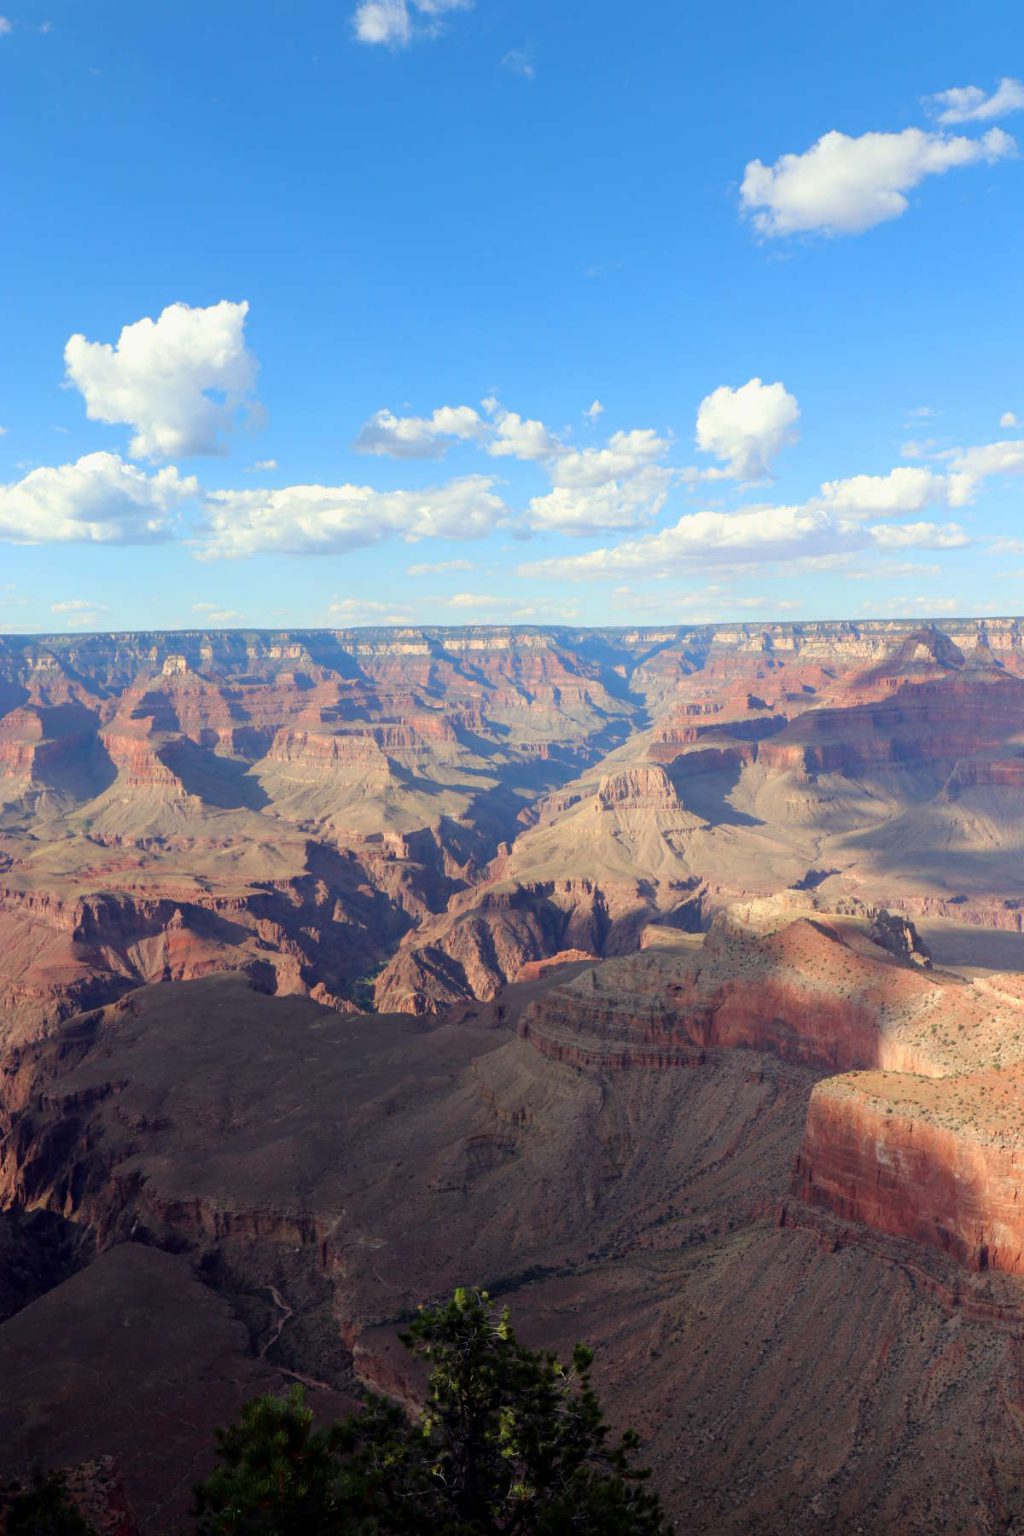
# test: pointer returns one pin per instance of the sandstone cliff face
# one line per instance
(645, 786)
(489, 935)
(941, 1163)
(965, 716)
(485, 941)
(930, 1148)
(51, 748)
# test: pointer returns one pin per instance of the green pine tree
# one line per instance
(510, 1443)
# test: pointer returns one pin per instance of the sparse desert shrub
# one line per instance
(43, 1509)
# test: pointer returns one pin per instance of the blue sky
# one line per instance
(308, 310)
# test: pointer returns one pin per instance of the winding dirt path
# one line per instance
(284, 1314)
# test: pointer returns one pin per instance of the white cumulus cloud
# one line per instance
(323, 519)
(970, 104)
(819, 534)
(970, 466)
(178, 381)
(505, 434)
(844, 185)
(97, 500)
(627, 453)
(747, 427)
(627, 502)
(702, 539)
(1009, 419)
(420, 437)
(919, 536)
(623, 485)
(902, 490)
(518, 437)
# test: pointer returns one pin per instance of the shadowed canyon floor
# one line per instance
(660, 1055)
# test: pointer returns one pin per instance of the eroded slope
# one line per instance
(320, 1174)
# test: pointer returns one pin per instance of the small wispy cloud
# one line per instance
(6, 26)
(215, 614)
(518, 62)
(395, 23)
(354, 610)
(602, 269)
(487, 606)
(970, 104)
(437, 567)
(80, 613)
(594, 411)
(900, 606)
(260, 466)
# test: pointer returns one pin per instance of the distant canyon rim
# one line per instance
(668, 981)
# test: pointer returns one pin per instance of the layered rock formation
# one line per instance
(922, 1134)
(493, 795)
(284, 806)
(889, 774)
(938, 1162)
(815, 990)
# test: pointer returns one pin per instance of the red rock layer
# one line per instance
(939, 1162)
(803, 992)
(959, 717)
